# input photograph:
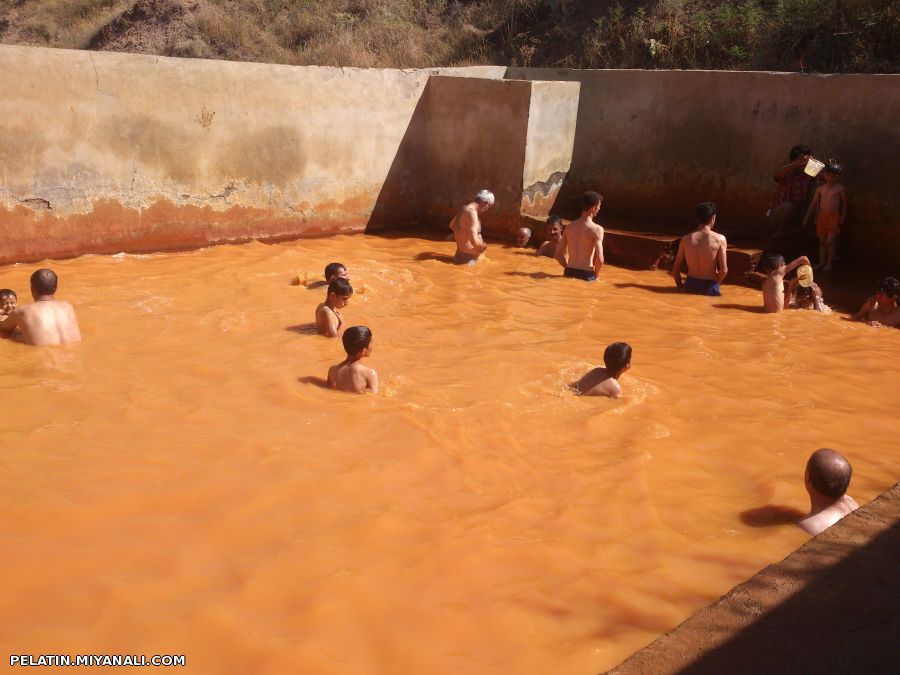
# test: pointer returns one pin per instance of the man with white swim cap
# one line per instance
(466, 229)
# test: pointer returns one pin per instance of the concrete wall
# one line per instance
(657, 142)
(103, 152)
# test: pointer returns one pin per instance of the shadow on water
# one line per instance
(314, 380)
(753, 309)
(771, 514)
(304, 328)
(439, 257)
(652, 289)
(533, 275)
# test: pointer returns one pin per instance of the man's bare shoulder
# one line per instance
(597, 229)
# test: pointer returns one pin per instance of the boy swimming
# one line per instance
(773, 285)
(351, 375)
(8, 300)
(831, 201)
(605, 381)
(329, 321)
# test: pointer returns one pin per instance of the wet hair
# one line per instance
(340, 287)
(485, 197)
(771, 262)
(554, 220)
(798, 150)
(44, 281)
(805, 294)
(590, 199)
(889, 286)
(333, 268)
(705, 212)
(833, 167)
(355, 339)
(617, 356)
(8, 293)
(829, 473)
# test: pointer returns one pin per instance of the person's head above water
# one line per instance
(8, 300)
(43, 282)
(357, 341)
(770, 262)
(523, 235)
(799, 151)
(805, 297)
(887, 290)
(832, 171)
(484, 199)
(335, 270)
(828, 473)
(617, 358)
(554, 227)
(591, 201)
(706, 213)
(339, 292)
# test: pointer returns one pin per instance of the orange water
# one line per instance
(173, 485)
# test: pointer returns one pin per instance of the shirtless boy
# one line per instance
(554, 232)
(882, 309)
(580, 247)
(773, 285)
(705, 254)
(466, 229)
(605, 381)
(827, 479)
(8, 300)
(831, 200)
(334, 271)
(351, 375)
(47, 321)
(329, 321)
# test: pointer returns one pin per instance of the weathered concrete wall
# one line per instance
(657, 142)
(512, 137)
(105, 152)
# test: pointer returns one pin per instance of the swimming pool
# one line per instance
(175, 484)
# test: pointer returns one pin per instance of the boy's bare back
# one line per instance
(352, 376)
(48, 322)
(704, 252)
(598, 382)
(582, 244)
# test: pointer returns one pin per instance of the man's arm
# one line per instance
(678, 264)
(788, 168)
(722, 261)
(562, 250)
(863, 313)
(475, 234)
(10, 322)
(598, 251)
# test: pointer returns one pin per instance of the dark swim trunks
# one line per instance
(702, 286)
(464, 258)
(584, 275)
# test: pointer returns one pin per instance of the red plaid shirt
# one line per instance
(793, 188)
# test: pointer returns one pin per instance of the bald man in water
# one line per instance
(704, 252)
(47, 321)
(827, 479)
(580, 248)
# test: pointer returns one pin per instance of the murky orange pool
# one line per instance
(174, 485)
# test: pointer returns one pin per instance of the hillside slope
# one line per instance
(811, 35)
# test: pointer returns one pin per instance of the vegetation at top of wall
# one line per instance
(800, 35)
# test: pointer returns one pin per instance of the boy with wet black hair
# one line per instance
(773, 285)
(350, 375)
(831, 202)
(827, 479)
(329, 321)
(605, 381)
(8, 300)
(334, 271)
(882, 308)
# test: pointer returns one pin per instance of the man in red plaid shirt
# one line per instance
(792, 192)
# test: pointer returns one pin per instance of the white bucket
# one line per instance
(813, 167)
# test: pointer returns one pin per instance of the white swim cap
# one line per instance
(485, 197)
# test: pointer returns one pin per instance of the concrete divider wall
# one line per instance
(104, 152)
(657, 142)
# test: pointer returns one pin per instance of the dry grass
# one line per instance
(819, 35)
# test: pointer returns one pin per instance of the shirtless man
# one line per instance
(580, 247)
(605, 381)
(523, 236)
(47, 321)
(351, 375)
(705, 254)
(466, 229)
(827, 479)
(882, 309)
(554, 232)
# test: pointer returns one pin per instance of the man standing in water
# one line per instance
(47, 321)
(466, 229)
(704, 252)
(580, 248)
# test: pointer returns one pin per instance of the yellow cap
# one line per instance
(805, 276)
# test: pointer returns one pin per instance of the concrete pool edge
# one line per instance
(830, 606)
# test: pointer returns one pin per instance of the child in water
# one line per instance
(831, 201)
(8, 300)
(334, 271)
(351, 375)
(329, 321)
(773, 285)
(605, 381)
(806, 297)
